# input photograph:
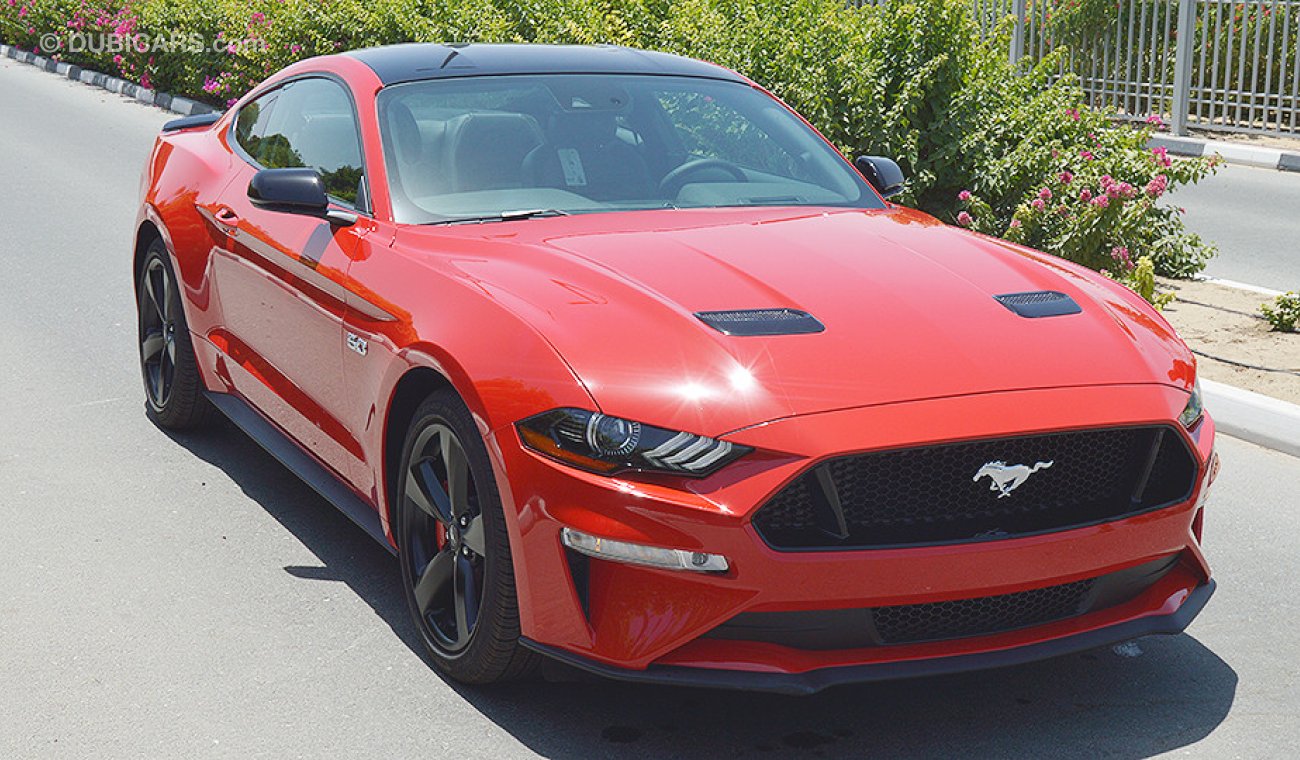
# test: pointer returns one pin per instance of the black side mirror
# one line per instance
(294, 191)
(882, 173)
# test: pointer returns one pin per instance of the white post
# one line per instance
(1018, 34)
(1184, 49)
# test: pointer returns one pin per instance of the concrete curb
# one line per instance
(1269, 292)
(1233, 153)
(165, 101)
(1260, 419)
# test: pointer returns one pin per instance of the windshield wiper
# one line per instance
(504, 216)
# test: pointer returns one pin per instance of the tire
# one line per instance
(173, 390)
(453, 548)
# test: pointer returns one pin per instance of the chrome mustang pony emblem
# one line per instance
(1007, 478)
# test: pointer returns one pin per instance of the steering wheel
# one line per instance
(675, 180)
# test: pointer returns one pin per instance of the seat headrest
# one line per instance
(578, 128)
(406, 133)
(485, 151)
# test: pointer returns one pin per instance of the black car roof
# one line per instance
(415, 61)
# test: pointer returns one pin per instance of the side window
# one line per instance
(250, 125)
(307, 123)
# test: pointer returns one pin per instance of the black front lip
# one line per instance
(814, 681)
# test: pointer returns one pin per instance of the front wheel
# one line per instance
(454, 550)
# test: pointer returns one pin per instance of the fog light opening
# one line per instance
(640, 554)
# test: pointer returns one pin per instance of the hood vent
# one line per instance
(1039, 303)
(761, 322)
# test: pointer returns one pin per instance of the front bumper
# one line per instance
(639, 623)
(813, 681)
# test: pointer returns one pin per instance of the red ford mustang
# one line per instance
(633, 370)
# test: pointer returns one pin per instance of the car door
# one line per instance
(280, 279)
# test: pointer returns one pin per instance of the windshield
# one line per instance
(493, 147)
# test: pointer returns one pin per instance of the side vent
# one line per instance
(1039, 303)
(761, 322)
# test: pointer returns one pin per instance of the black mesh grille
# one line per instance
(855, 628)
(909, 623)
(950, 493)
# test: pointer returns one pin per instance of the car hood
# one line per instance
(906, 301)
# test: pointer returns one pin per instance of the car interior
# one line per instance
(582, 143)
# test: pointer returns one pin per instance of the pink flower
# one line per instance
(1125, 190)
(257, 18)
(231, 102)
(21, 11)
(211, 85)
(1073, 113)
(1162, 156)
(117, 59)
(1045, 194)
(1015, 224)
(1086, 155)
(1101, 201)
(1157, 186)
(1121, 256)
(1065, 177)
(1155, 121)
(963, 196)
(1038, 204)
(964, 219)
(295, 48)
(1085, 195)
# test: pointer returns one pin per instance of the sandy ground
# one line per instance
(1225, 322)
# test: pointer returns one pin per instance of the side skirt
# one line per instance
(302, 464)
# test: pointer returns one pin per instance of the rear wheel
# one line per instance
(173, 389)
(453, 548)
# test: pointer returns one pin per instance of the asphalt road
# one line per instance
(1253, 216)
(166, 596)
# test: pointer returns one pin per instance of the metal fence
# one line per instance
(1206, 64)
(1209, 64)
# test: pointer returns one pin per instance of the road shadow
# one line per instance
(1165, 693)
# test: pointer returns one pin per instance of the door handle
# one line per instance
(225, 216)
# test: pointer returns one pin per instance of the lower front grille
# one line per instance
(938, 621)
(910, 623)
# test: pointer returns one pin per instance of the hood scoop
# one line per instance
(1039, 303)
(743, 322)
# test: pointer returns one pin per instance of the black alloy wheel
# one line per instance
(453, 548)
(157, 332)
(445, 530)
(173, 389)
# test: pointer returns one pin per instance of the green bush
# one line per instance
(1284, 312)
(1007, 153)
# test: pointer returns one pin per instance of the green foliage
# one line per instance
(982, 143)
(1284, 312)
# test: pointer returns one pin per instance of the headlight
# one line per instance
(604, 444)
(1194, 409)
